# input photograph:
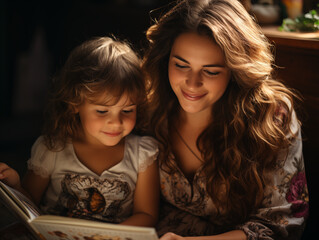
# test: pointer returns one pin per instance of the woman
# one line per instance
(231, 163)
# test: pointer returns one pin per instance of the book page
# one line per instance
(56, 228)
(21, 205)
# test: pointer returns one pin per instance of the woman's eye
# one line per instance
(180, 66)
(209, 73)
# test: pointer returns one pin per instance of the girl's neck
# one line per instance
(93, 144)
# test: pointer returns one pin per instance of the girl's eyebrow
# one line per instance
(131, 105)
(105, 105)
(208, 65)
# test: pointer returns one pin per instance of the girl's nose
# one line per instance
(194, 80)
(115, 119)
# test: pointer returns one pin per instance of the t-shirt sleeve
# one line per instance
(148, 151)
(42, 160)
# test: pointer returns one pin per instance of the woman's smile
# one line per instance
(197, 72)
(192, 96)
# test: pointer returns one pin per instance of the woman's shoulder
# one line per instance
(286, 117)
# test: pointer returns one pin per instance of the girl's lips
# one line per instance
(192, 97)
(112, 134)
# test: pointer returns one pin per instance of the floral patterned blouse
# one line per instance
(189, 211)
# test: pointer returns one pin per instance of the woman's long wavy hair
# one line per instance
(99, 67)
(247, 133)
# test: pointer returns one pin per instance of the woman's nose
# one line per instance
(194, 79)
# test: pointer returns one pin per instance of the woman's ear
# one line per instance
(75, 109)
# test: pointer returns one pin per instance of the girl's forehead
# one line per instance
(109, 99)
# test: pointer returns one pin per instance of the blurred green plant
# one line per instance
(308, 22)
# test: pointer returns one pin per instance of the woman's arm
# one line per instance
(231, 235)
(146, 198)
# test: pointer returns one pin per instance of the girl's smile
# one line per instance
(106, 125)
(112, 134)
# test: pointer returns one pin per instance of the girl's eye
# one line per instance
(209, 73)
(101, 112)
(128, 111)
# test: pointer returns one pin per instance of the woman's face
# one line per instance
(197, 72)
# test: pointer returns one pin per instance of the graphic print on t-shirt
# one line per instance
(87, 197)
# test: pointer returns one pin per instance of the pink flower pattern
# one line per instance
(298, 195)
(188, 210)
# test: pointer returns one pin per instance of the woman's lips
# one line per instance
(193, 97)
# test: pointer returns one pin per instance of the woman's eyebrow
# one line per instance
(208, 65)
(180, 58)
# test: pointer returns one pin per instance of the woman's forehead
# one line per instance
(200, 49)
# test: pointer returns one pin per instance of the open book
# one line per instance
(57, 227)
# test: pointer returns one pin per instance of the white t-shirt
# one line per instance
(76, 191)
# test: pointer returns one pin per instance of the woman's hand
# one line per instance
(171, 236)
(9, 176)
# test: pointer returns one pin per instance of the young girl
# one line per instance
(87, 164)
(231, 163)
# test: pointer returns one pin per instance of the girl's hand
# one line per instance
(171, 236)
(9, 176)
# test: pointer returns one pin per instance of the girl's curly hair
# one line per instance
(100, 66)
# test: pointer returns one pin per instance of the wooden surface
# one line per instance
(272, 31)
(309, 40)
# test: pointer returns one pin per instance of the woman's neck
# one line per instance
(199, 120)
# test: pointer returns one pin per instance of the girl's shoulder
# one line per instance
(39, 146)
(142, 142)
(42, 144)
(142, 148)
(42, 158)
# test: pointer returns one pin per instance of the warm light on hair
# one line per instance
(246, 135)
(101, 66)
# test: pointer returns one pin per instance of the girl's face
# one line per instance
(197, 72)
(107, 124)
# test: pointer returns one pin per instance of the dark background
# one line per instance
(35, 39)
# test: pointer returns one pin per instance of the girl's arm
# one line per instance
(35, 185)
(10, 176)
(32, 186)
(146, 198)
